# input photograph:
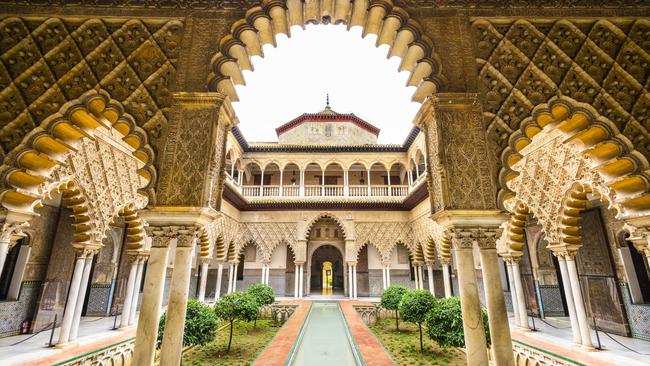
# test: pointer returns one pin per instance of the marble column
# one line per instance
(217, 290)
(421, 276)
(172, 342)
(73, 294)
(136, 289)
(296, 280)
(204, 279)
(383, 277)
(416, 275)
(4, 250)
(354, 281)
(350, 286)
(128, 296)
(301, 283)
(231, 272)
(570, 302)
(521, 297)
(83, 288)
(446, 278)
(475, 343)
(234, 276)
(154, 285)
(496, 305)
(430, 278)
(581, 313)
(388, 276)
(513, 290)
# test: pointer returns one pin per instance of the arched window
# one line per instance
(328, 130)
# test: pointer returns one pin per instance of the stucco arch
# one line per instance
(324, 215)
(393, 26)
(43, 157)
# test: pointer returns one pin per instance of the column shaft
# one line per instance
(296, 281)
(136, 291)
(128, 297)
(585, 331)
(496, 307)
(354, 280)
(300, 285)
(231, 272)
(154, 285)
(350, 290)
(430, 275)
(446, 278)
(475, 343)
(521, 297)
(73, 293)
(388, 275)
(570, 302)
(172, 342)
(203, 283)
(217, 290)
(383, 277)
(83, 288)
(4, 250)
(513, 293)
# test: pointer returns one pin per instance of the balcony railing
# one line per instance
(272, 191)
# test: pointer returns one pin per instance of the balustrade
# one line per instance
(324, 191)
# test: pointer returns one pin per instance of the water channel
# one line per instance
(325, 339)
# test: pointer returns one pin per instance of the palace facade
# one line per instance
(126, 185)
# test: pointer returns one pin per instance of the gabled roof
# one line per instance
(327, 115)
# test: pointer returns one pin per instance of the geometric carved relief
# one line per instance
(524, 63)
(385, 236)
(45, 62)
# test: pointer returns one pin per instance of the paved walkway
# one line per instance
(94, 333)
(372, 352)
(278, 350)
(556, 337)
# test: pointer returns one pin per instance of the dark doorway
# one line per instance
(326, 253)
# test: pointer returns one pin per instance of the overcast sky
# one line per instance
(294, 78)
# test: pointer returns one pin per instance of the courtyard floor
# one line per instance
(553, 336)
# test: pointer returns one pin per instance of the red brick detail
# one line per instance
(74, 351)
(564, 349)
(372, 352)
(277, 351)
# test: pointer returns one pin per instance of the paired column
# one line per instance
(570, 301)
(566, 259)
(154, 285)
(296, 281)
(172, 342)
(136, 289)
(446, 278)
(519, 294)
(76, 294)
(301, 275)
(130, 286)
(8, 237)
(475, 343)
(265, 273)
(496, 305)
(513, 289)
(231, 272)
(354, 281)
(205, 265)
(350, 286)
(217, 290)
(430, 278)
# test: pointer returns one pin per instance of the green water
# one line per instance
(324, 340)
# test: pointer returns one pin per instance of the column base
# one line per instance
(588, 348)
(71, 344)
(524, 329)
(127, 328)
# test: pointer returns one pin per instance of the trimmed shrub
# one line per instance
(236, 306)
(414, 307)
(263, 295)
(390, 299)
(200, 324)
(445, 323)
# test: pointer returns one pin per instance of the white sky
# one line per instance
(294, 77)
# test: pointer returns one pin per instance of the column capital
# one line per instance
(160, 235)
(487, 237)
(12, 232)
(639, 237)
(204, 260)
(86, 250)
(511, 257)
(463, 238)
(564, 252)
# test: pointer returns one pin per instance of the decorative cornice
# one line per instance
(246, 147)
(320, 117)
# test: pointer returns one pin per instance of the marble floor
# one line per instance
(27, 348)
(557, 332)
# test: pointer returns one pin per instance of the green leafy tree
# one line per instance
(445, 323)
(414, 307)
(263, 294)
(236, 306)
(200, 324)
(390, 299)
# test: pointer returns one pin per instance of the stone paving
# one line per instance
(277, 351)
(372, 352)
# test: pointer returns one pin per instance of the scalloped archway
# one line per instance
(392, 25)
